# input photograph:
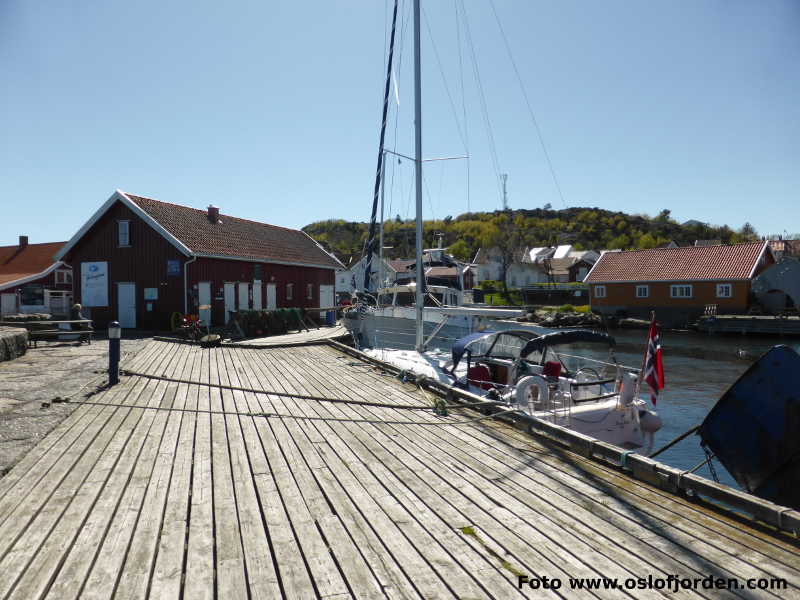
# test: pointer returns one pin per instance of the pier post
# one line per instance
(114, 332)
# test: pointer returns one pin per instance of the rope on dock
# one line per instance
(299, 396)
(669, 445)
(271, 415)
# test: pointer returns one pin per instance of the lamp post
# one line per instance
(114, 333)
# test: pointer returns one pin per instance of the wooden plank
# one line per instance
(482, 450)
(134, 578)
(287, 468)
(420, 499)
(57, 524)
(93, 533)
(371, 545)
(261, 576)
(200, 578)
(167, 580)
(36, 463)
(391, 520)
(113, 553)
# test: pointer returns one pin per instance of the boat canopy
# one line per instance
(506, 343)
(566, 337)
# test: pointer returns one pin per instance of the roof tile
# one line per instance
(34, 258)
(235, 237)
(678, 264)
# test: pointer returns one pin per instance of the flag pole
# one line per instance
(638, 388)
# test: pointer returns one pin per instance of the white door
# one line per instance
(325, 298)
(244, 300)
(8, 304)
(126, 305)
(204, 299)
(256, 295)
(230, 300)
(272, 302)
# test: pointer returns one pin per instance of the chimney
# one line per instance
(213, 213)
(23, 241)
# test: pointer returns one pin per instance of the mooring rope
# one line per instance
(277, 393)
(271, 415)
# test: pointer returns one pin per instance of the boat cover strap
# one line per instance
(592, 398)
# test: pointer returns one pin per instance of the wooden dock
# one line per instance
(163, 489)
(750, 324)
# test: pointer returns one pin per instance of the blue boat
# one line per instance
(754, 429)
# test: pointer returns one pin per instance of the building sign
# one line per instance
(173, 268)
(151, 293)
(94, 284)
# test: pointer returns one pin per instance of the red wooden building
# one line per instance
(31, 280)
(139, 260)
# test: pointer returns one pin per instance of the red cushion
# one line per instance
(551, 369)
(480, 376)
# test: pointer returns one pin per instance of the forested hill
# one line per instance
(584, 228)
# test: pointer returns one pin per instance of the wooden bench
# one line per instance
(44, 330)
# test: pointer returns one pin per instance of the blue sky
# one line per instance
(271, 110)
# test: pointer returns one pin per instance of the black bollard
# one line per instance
(114, 333)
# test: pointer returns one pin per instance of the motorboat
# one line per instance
(546, 377)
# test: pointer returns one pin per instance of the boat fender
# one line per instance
(524, 385)
(649, 421)
(627, 388)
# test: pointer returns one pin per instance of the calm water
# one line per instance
(698, 369)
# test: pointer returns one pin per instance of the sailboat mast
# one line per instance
(418, 168)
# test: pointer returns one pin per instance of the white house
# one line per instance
(352, 278)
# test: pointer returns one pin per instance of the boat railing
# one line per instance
(600, 362)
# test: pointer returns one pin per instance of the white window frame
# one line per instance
(63, 276)
(126, 237)
(724, 290)
(289, 291)
(642, 291)
(677, 290)
(599, 291)
(310, 291)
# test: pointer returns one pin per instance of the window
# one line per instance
(289, 290)
(33, 295)
(599, 291)
(680, 291)
(123, 233)
(724, 290)
(642, 291)
(63, 276)
(310, 291)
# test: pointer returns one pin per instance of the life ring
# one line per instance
(523, 392)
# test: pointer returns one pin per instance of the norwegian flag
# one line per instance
(653, 367)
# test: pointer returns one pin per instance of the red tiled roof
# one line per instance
(234, 237)
(401, 264)
(442, 272)
(678, 264)
(31, 260)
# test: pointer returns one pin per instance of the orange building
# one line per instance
(677, 283)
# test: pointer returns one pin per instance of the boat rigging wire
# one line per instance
(484, 107)
(369, 244)
(528, 103)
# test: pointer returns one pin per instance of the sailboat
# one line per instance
(544, 387)
(414, 315)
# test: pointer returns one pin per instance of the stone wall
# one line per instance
(13, 342)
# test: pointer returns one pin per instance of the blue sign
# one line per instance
(174, 268)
